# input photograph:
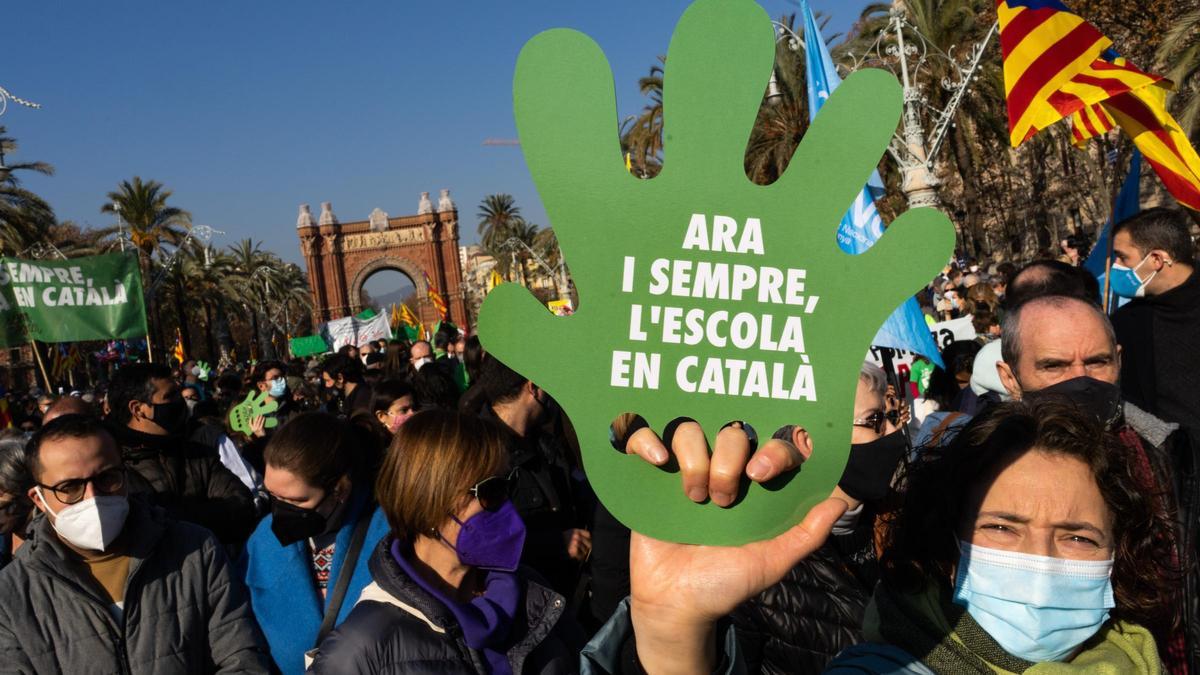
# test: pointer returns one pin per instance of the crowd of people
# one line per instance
(422, 508)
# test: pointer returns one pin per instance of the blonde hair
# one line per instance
(434, 460)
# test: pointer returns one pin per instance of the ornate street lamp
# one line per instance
(902, 49)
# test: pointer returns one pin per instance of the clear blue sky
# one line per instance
(247, 109)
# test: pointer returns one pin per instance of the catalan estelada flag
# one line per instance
(1045, 47)
(434, 297)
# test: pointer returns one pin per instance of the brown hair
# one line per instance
(935, 494)
(435, 458)
(319, 448)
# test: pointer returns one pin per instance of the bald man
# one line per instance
(68, 405)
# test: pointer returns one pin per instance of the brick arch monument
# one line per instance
(340, 256)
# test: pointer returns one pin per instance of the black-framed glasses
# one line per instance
(874, 421)
(71, 491)
(493, 491)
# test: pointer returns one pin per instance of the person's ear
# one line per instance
(135, 409)
(1009, 379)
(35, 497)
(342, 488)
(1163, 258)
(382, 416)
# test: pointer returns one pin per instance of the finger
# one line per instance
(774, 458)
(585, 537)
(718, 66)
(923, 238)
(781, 554)
(566, 113)
(508, 312)
(691, 451)
(646, 444)
(855, 125)
(727, 463)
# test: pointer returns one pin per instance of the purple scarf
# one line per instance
(487, 619)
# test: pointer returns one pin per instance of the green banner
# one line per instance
(308, 345)
(90, 298)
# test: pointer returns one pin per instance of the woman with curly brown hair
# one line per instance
(1025, 546)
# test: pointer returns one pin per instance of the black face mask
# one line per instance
(291, 523)
(172, 416)
(869, 469)
(1101, 399)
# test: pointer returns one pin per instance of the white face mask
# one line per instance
(421, 362)
(92, 524)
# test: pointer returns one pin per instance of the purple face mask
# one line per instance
(491, 540)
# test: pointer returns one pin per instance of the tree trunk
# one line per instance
(210, 333)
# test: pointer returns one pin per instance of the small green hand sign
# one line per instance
(702, 294)
(256, 404)
(202, 370)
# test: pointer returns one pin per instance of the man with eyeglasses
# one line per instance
(111, 584)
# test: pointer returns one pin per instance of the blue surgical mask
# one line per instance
(1036, 608)
(278, 388)
(1125, 282)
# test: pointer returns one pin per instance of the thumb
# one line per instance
(784, 552)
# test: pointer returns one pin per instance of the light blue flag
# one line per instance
(861, 227)
(1128, 205)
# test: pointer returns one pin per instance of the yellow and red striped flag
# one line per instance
(1143, 115)
(1045, 47)
(178, 351)
(436, 298)
(407, 317)
(1057, 65)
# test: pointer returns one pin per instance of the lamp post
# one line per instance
(902, 49)
(564, 291)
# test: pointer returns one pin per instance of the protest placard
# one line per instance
(702, 294)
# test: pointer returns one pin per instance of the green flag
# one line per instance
(308, 345)
(90, 298)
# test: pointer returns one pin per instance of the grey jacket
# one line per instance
(184, 612)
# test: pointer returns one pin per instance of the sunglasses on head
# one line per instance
(493, 491)
(874, 421)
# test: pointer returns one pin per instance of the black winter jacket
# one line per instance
(801, 623)
(397, 627)
(189, 481)
(184, 612)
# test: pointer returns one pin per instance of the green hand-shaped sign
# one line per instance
(701, 293)
(254, 405)
(202, 370)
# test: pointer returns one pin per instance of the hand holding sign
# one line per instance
(256, 404)
(702, 294)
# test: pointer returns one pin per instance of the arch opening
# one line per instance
(385, 287)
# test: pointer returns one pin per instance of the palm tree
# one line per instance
(641, 136)
(24, 216)
(153, 225)
(252, 270)
(1181, 48)
(498, 215)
